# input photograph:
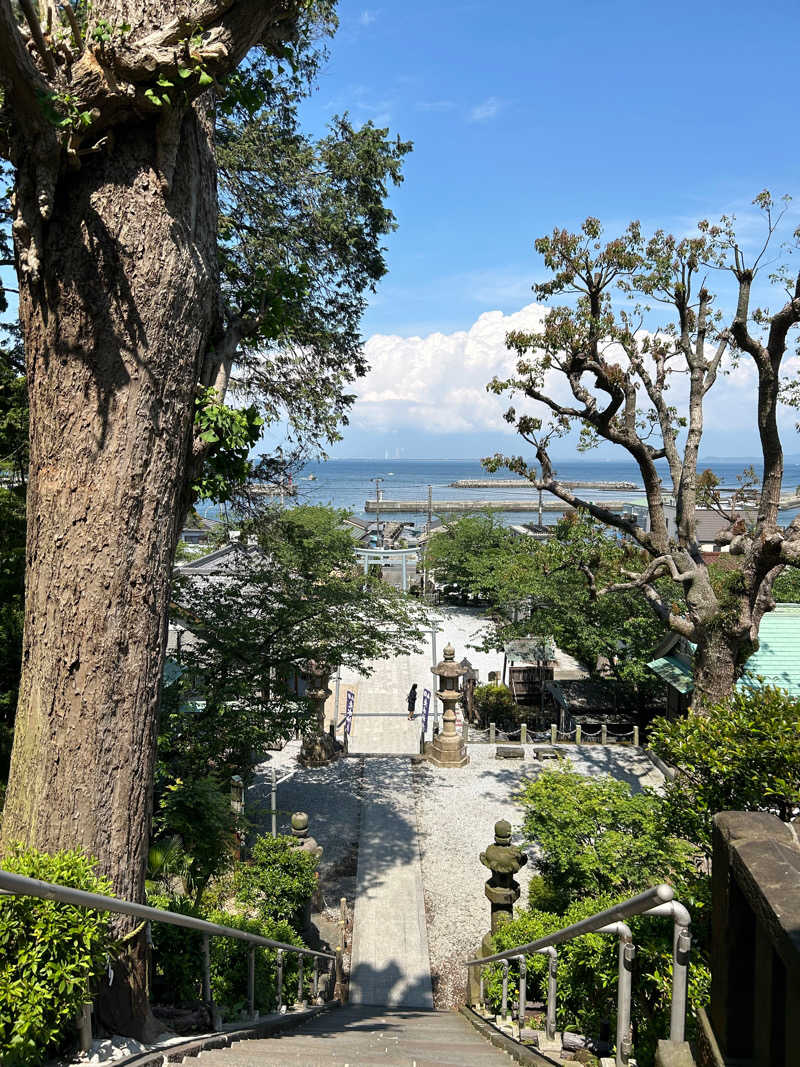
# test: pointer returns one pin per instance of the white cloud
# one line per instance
(486, 110)
(436, 384)
(367, 17)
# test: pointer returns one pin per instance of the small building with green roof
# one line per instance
(777, 660)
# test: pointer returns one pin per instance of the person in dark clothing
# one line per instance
(412, 700)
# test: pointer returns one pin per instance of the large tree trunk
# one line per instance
(114, 335)
(718, 662)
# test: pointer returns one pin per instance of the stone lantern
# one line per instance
(318, 748)
(448, 749)
(302, 839)
(504, 860)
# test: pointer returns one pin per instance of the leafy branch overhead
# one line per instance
(624, 383)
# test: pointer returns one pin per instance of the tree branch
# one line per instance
(22, 77)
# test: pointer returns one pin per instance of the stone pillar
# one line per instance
(303, 840)
(504, 860)
(318, 747)
(448, 749)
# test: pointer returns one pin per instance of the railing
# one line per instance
(658, 901)
(19, 885)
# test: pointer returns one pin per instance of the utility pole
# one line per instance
(378, 510)
(427, 542)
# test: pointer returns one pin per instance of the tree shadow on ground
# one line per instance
(333, 798)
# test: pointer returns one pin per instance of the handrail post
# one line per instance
(206, 971)
(682, 943)
(279, 978)
(84, 1023)
(299, 979)
(482, 991)
(626, 956)
(504, 1005)
(251, 982)
(552, 992)
(315, 980)
(523, 992)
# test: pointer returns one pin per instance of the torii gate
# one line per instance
(388, 555)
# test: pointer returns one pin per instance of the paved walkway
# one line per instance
(380, 722)
(390, 965)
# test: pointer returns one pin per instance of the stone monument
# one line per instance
(448, 749)
(502, 890)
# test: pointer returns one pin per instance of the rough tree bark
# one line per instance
(115, 238)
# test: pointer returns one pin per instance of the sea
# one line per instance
(349, 483)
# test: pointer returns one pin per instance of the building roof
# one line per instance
(222, 560)
(777, 660)
(674, 671)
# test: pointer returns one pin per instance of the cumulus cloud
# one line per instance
(437, 385)
(486, 110)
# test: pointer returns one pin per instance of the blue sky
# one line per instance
(528, 116)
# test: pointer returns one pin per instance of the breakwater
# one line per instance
(387, 507)
(521, 483)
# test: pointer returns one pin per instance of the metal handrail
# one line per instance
(642, 902)
(658, 901)
(20, 885)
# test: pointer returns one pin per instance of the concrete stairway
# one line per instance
(360, 1036)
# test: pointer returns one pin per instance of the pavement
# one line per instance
(390, 963)
(380, 720)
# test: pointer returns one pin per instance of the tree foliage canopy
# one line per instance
(293, 595)
(743, 755)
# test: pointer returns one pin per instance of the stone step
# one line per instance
(358, 1036)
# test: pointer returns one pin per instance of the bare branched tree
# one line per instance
(624, 382)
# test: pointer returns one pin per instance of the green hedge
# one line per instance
(50, 953)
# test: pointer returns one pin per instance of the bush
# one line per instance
(178, 959)
(740, 755)
(177, 954)
(595, 836)
(50, 954)
(278, 881)
(229, 963)
(494, 703)
(198, 812)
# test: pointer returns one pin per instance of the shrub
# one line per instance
(229, 963)
(740, 755)
(50, 953)
(198, 812)
(177, 954)
(178, 959)
(494, 703)
(278, 881)
(595, 836)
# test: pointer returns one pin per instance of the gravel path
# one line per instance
(456, 813)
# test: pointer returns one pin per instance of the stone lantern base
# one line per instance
(447, 750)
(318, 750)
